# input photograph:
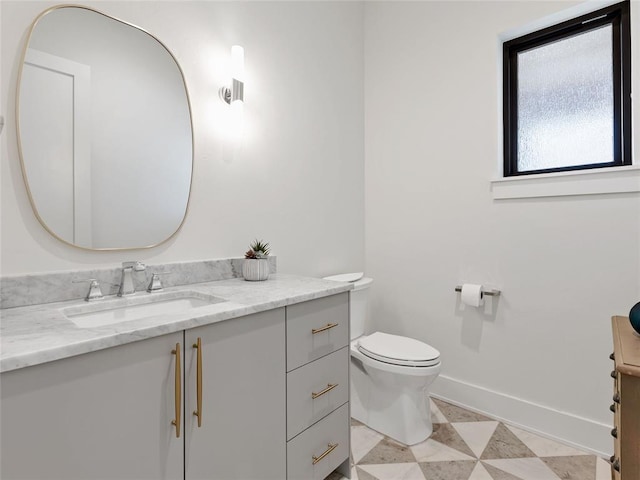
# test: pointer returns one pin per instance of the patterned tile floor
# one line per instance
(469, 446)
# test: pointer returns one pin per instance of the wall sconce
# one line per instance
(235, 93)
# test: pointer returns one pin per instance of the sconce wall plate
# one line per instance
(235, 92)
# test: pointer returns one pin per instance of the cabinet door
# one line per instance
(102, 415)
(242, 434)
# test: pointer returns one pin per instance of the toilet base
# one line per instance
(396, 407)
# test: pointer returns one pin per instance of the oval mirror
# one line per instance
(104, 131)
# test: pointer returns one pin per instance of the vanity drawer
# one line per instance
(316, 328)
(311, 444)
(327, 379)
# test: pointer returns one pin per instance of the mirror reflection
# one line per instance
(104, 131)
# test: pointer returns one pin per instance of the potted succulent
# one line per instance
(256, 262)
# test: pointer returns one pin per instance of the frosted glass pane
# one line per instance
(565, 102)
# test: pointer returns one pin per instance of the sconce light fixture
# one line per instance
(234, 94)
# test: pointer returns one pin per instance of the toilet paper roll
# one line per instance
(472, 295)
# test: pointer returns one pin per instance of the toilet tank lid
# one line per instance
(358, 279)
(346, 277)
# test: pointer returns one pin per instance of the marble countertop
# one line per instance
(42, 333)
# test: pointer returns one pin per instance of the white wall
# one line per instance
(565, 264)
(296, 181)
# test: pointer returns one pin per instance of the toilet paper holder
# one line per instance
(490, 293)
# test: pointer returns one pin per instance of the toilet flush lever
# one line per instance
(328, 326)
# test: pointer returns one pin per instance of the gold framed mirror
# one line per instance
(105, 131)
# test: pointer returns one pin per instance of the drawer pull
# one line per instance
(328, 326)
(615, 463)
(613, 374)
(616, 397)
(330, 387)
(614, 432)
(613, 407)
(332, 447)
(612, 356)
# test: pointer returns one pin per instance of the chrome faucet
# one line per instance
(127, 287)
(94, 292)
(155, 285)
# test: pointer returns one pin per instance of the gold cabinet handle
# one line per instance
(332, 447)
(198, 412)
(178, 390)
(322, 329)
(330, 387)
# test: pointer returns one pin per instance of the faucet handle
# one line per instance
(94, 292)
(155, 285)
(135, 266)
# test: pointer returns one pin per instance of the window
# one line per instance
(567, 95)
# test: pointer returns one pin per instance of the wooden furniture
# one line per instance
(209, 402)
(625, 462)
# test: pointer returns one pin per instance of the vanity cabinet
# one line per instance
(108, 414)
(243, 405)
(318, 421)
(625, 462)
(212, 402)
(102, 415)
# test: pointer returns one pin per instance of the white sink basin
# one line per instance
(109, 312)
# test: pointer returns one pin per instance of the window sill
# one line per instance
(584, 182)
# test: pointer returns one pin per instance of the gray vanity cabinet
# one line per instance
(111, 414)
(318, 388)
(243, 400)
(102, 415)
(108, 414)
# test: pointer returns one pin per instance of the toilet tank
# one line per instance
(359, 306)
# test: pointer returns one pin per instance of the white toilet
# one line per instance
(390, 374)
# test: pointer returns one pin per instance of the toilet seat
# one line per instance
(398, 350)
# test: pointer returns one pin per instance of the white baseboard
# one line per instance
(578, 432)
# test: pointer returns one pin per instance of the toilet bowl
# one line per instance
(390, 374)
(389, 389)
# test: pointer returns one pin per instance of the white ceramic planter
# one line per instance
(255, 269)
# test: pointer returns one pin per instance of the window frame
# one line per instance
(616, 15)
